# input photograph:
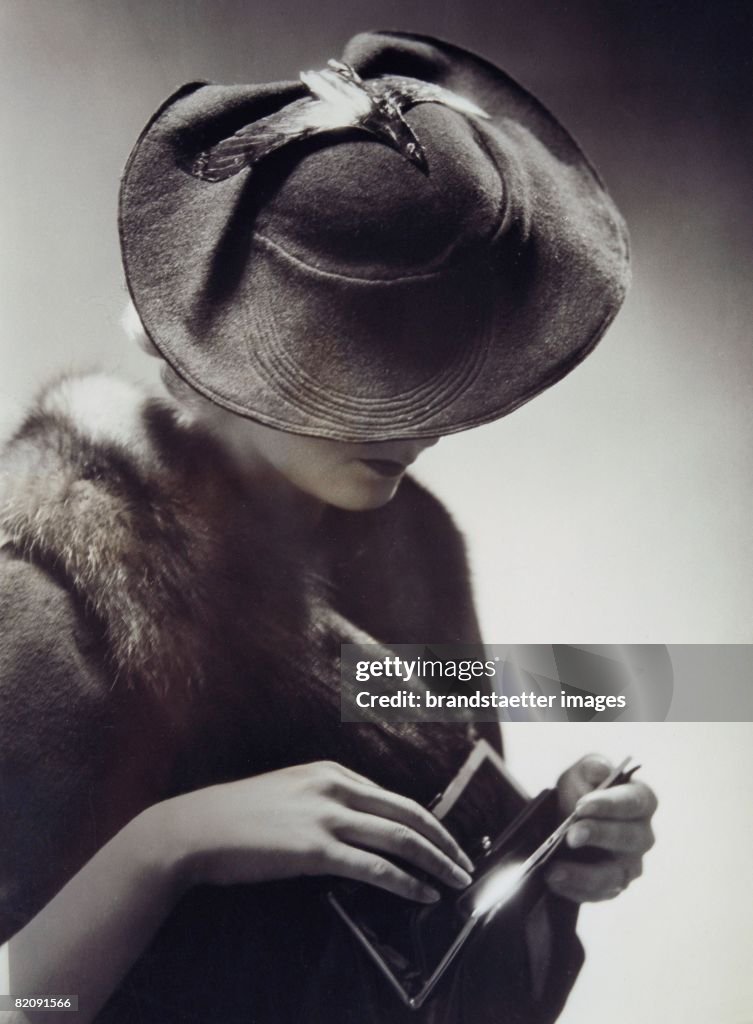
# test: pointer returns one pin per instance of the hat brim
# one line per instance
(331, 357)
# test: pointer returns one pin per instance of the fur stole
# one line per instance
(137, 513)
(188, 581)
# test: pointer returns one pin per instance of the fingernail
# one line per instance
(460, 877)
(578, 835)
(558, 875)
(430, 895)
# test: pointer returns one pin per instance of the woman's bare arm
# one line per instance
(316, 819)
(84, 941)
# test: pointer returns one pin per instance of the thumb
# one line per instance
(581, 779)
(593, 769)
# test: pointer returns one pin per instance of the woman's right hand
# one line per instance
(311, 819)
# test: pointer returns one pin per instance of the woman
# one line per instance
(336, 274)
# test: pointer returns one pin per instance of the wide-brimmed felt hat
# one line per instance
(340, 289)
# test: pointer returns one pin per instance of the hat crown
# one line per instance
(334, 289)
(354, 206)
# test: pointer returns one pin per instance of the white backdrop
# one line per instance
(675, 948)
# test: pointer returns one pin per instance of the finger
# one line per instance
(354, 776)
(580, 779)
(629, 801)
(615, 836)
(384, 804)
(400, 840)
(335, 774)
(590, 883)
(368, 796)
(362, 866)
(593, 769)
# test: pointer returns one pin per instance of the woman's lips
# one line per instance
(384, 467)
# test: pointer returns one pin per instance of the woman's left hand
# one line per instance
(616, 821)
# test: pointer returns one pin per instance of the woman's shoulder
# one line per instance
(78, 497)
(93, 492)
(62, 469)
(50, 656)
(73, 731)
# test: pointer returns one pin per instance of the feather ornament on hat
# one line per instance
(340, 101)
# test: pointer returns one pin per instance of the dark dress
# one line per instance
(160, 633)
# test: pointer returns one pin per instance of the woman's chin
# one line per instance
(365, 494)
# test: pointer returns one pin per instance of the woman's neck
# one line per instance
(295, 512)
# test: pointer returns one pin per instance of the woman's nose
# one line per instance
(424, 443)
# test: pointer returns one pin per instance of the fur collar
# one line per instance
(138, 515)
(131, 508)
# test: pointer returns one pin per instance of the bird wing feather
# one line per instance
(299, 120)
(346, 96)
(337, 103)
(409, 92)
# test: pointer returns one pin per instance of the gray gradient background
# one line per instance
(613, 509)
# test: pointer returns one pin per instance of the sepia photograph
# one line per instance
(371, 344)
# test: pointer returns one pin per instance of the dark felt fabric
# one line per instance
(78, 757)
(336, 290)
(91, 736)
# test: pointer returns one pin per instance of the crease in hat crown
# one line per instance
(340, 261)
